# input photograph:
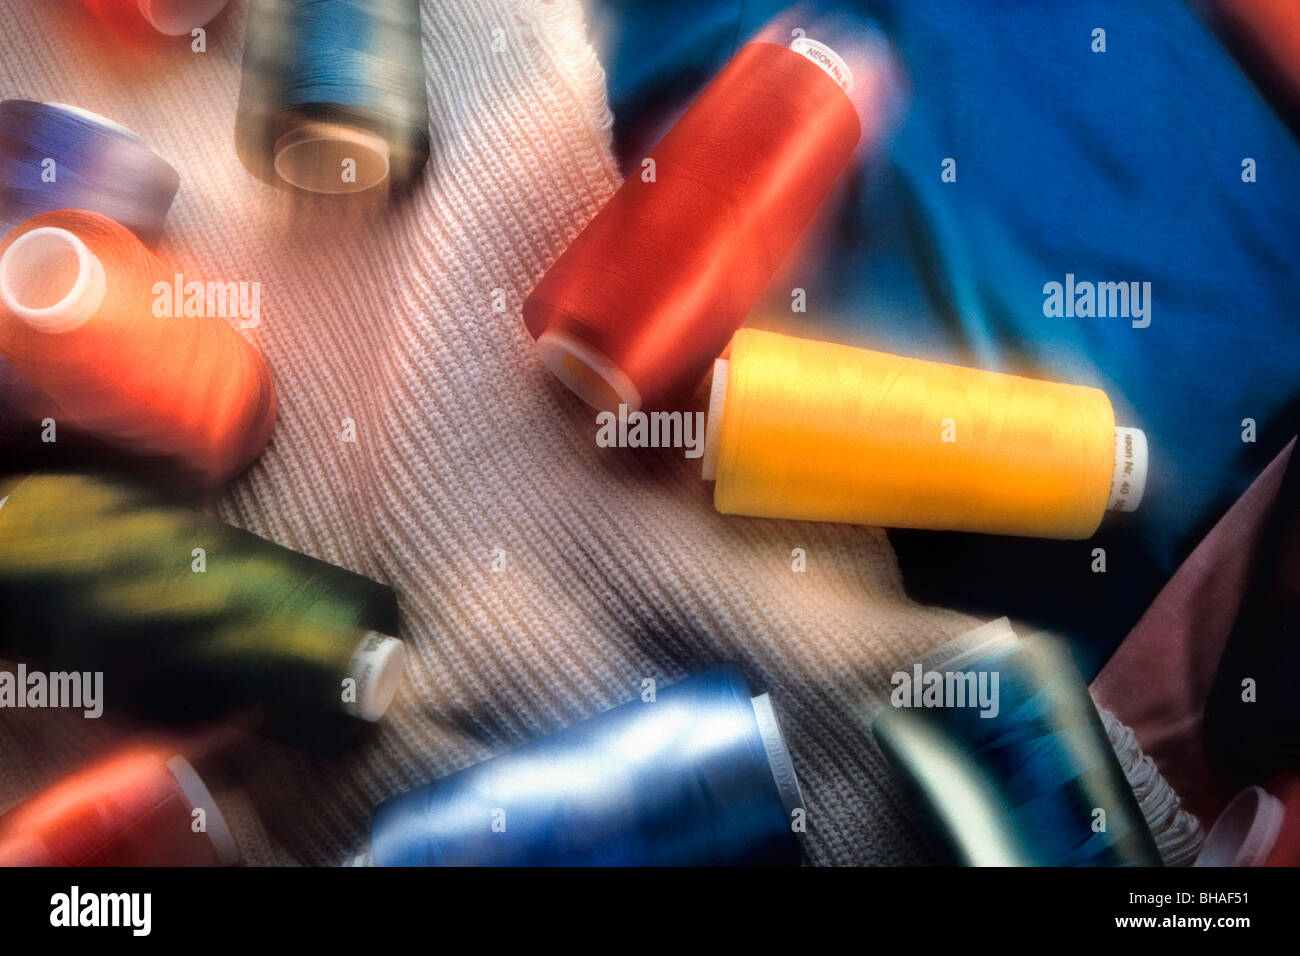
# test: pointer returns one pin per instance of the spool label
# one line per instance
(1129, 480)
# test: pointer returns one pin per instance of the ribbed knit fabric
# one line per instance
(540, 577)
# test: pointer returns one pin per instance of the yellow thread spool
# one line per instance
(824, 432)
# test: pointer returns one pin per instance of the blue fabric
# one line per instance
(1117, 166)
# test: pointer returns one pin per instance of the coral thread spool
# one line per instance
(152, 19)
(135, 807)
(77, 322)
(648, 294)
(825, 432)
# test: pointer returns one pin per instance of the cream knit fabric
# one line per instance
(540, 578)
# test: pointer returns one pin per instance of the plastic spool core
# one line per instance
(312, 157)
(376, 666)
(778, 754)
(1245, 832)
(176, 18)
(590, 374)
(713, 423)
(50, 280)
(199, 797)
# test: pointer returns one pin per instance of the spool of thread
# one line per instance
(824, 432)
(54, 156)
(1259, 827)
(135, 807)
(103, 575)
(142, 19)
(647, 296)
(1246, 831)
(699, 776)
(332, 98)
(1020, 785)
(77, 321)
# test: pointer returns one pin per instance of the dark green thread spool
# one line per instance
(102, 575)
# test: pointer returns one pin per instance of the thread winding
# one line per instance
(332, 98)
(54, 156)
(697, 776)
(648, 294)
(826, 432)
(77, 322)
(190, 619)
(1033, 780)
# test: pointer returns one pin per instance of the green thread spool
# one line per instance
(103, 575)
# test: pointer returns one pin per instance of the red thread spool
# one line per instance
(648, 295)
(148, 20)
(77, 322)
(134, 808)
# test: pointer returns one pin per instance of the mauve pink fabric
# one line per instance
(1158, 680)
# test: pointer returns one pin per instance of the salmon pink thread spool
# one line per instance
(77, 322)
(646, 297)
(145, 21)
(135, 807)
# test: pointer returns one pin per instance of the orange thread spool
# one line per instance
(77, 322)
(639, 305)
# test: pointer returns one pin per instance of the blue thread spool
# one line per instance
(700, 776)
(95, 165)
(332, 99)
(1021, 787)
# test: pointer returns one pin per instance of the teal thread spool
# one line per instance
(332, 98)
(1019, 783)
(103, 575)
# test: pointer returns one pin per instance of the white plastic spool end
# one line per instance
(713, 424)
(178, 18)
(331, 158)
(778, 754)
(200, 798)
(587, 372)
(376, 667)
(1245, 832)
(1129, 481)
(50, 280)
